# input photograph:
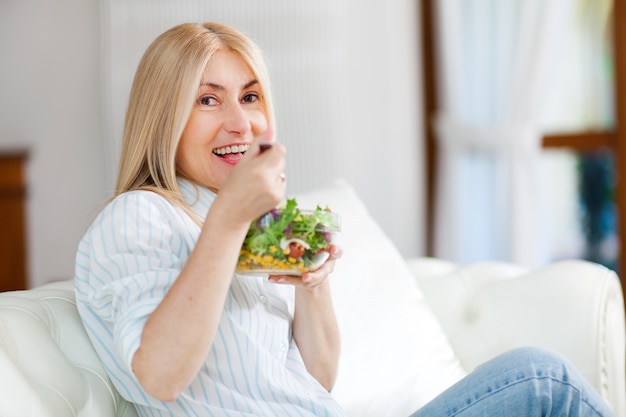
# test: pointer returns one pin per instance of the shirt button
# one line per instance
(282, 347)
(263, 299)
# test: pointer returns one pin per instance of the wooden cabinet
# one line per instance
(13, 272)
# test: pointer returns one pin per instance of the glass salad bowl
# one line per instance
(288, 241)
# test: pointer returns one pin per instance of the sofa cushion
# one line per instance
(395, 356)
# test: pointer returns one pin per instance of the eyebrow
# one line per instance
(221, 88)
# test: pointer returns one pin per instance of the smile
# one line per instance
(231, 149)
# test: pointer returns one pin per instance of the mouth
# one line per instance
(231, 152)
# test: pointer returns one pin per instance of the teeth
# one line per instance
(231, 149)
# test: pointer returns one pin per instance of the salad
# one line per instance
(288, 240)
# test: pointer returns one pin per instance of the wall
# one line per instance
(53, 76)
(49, 78)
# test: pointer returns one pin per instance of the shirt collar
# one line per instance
(197, 196)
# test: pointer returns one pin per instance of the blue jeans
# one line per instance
(524, 382)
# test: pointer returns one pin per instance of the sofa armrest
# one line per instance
(573, 307)
(48, 366)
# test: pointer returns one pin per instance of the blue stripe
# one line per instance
(218, 395)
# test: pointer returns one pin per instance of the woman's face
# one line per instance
(228, 113)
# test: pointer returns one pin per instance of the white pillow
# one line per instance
(395, 355)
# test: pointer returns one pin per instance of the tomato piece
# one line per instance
(296, 250)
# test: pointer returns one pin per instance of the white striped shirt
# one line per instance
(126, 262)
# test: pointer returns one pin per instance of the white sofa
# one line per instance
(409, 328)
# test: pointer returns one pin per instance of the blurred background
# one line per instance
(437, 112)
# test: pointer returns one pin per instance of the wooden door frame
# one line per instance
(582, 141)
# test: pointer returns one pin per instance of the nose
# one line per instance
(237, 121)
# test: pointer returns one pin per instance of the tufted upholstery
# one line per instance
(573, 307)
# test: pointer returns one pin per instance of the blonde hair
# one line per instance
(163, 94)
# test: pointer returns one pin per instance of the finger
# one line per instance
(283, 279)
(335, 251)
(320, 273)
(308, 279)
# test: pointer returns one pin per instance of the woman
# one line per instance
(178, 332)
(154, 274)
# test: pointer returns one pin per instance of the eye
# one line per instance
(207, 101)
(250, 98)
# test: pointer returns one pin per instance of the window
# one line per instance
(586, 137)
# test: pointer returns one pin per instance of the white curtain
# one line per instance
(493, 60)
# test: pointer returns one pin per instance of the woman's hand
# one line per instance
(312, 279)
(257, 183)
